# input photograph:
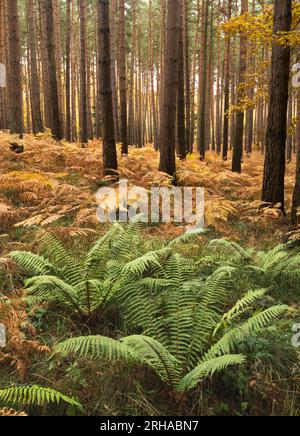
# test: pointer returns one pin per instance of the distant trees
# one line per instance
(175, 80)
(275, 160)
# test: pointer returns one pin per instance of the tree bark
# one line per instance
(168, 116)
(275, 160)
(110, 163)
(14, 78)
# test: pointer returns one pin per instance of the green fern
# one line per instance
(84, 287)
(35, 395)
(187, 333)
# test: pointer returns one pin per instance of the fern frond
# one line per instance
(99, 253)
(155, 355)
(53, 288)
(207, 369)
(95, 347)
(257, 323)
(140, 265)
(61, 258)
(243, 305)
(35, 395)
(186, 237)
(32, 263)
(229, 247)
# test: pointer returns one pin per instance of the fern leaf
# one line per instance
(95, 347)
(155, 355)
(35, 395)
(32, 263)
(253, 325)
(51, 287)
(207, 369)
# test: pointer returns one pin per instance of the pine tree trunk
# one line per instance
(295, 218)
(203, 85)
(3, 57)
(83, 74)
(68, 72)
(57, 128)
(180, 92)
(239, 126)
(14, 78)
(110, 163)
(37, 123)
(227, 89)
(123, 79)
(274, 171)
(168, 116)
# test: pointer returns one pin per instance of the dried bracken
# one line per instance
(20, 333)
(11, 412)
(49, 184)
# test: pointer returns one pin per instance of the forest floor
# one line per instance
(53, 185)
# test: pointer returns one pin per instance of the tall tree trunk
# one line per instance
(113, 10)
(203, 85)
(227, 89)
(37, 123)
(110, 162)
(14, 78)
(68, 71)
(83, 74)
(3, 58)
(131, 111)
(57, 128)
(274, 170)
(187, 76)
(123, 79)
(168, 117)
(180, 93)
(239, 126)
(296, 196)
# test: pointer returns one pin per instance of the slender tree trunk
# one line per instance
(227, 89)
(3, 59)
(83, 74)
(239, 134)
(203, 86)
(295, 218)
(187, 77)
(57, 128)
(37, 123)
(123, 80)
(68, 72)
(14, 78)
(180, 93)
